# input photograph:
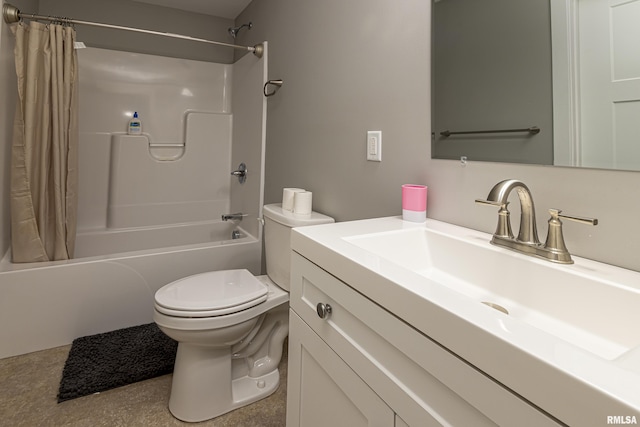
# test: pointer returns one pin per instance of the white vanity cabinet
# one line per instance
(327, 392)
(356, 364)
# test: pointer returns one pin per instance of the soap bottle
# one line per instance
(135, 125)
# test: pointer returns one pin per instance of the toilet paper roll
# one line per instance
(287, 197)
(302, 202)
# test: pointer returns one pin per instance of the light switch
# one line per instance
(374, 145)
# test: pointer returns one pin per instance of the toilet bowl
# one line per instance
(230, 327)
(228, 355)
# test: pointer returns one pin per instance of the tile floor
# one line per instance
(29, 386)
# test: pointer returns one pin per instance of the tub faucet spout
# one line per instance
(233, 217)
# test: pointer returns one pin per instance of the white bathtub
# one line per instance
(45, 305)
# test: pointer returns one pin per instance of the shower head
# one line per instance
(233, 32)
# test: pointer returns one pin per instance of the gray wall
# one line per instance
(128, 13)
(348, 67)
(364, 64)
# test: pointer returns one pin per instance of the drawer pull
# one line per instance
(323, 310)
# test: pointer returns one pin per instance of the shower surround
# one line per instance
(149, 205)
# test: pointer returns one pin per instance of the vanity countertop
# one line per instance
(570, 383)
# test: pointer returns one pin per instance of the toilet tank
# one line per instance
(277, 239)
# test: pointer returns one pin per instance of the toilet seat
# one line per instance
(211, 294)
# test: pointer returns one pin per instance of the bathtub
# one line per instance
(46, 305)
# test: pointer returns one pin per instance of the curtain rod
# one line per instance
(12, 14)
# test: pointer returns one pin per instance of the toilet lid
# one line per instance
(214, 293)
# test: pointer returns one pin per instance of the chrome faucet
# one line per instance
(527, 241)
(233, 217)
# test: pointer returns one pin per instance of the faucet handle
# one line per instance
(555, 239)
(490, 203)
(555, 213)
(503, 230)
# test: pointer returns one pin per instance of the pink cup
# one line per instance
(414, 202)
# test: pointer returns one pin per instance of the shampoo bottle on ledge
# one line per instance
(135, 125)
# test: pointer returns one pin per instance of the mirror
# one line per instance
(551, 82)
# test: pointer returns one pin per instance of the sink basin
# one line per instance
(591, 305)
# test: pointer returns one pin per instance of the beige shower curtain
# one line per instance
(45, 142)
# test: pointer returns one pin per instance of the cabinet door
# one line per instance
(323, 391)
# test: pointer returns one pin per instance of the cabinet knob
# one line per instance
(323, 310)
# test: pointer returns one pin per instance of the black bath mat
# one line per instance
(104, 361)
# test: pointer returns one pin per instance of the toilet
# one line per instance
(230, 326)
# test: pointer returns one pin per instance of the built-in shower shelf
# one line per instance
(152, 183)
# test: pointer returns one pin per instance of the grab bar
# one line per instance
(532, 130)
(158, 145)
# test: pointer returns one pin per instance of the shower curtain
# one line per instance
(45, 142)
